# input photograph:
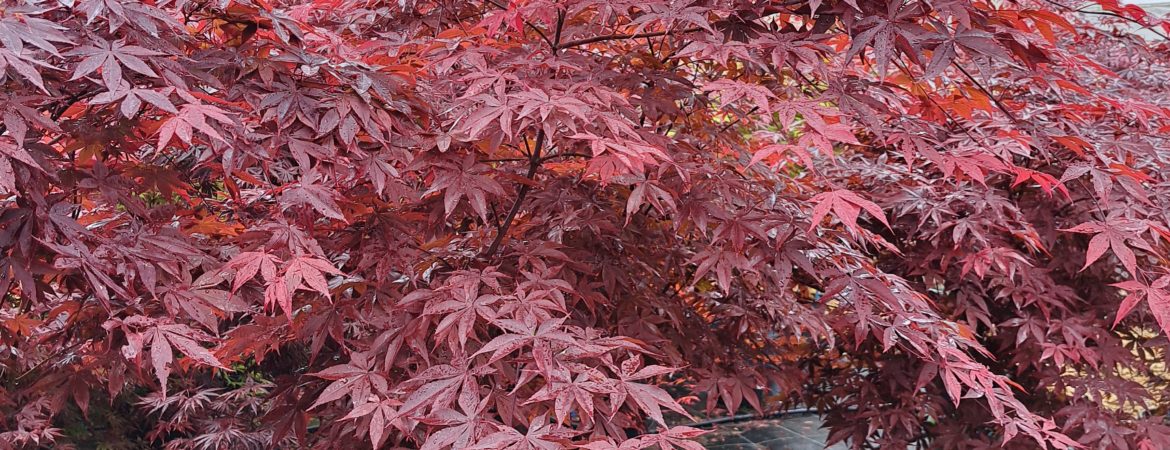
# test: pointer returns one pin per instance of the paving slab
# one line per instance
(800, 432)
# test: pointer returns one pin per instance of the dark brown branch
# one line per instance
(66, 103)
(60, 106)
(1111, 14)
(526, 22)
(738, 119)
(620, 36)
(987, 92)
(533, 165)
(1011, 116)
(950, 118)
(55, 356)
(557, 34)
(566, 155)
(534, 159)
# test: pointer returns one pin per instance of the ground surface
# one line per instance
(801, 432)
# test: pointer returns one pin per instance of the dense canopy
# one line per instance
(537, 224)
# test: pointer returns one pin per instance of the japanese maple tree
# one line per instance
(537, 224)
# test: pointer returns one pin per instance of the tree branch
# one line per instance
(526, 22)
(533, 165)
(987, 92)
(57, 108)
(1111, 14)
(534, 159)
(566, 155)
(620, 36)
(556, 43)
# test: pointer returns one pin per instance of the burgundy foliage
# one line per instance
(536, 224)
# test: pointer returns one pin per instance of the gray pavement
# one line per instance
(799, 432)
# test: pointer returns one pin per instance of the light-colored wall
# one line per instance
(1153, 7)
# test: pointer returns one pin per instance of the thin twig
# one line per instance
(52, 357)
(1111, 14)
(986, 92)
(1011, 116)
(566, 155)
(66, 103)
(526, 22)
(621, 36)
(738, 119)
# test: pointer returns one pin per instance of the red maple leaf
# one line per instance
(847, 205)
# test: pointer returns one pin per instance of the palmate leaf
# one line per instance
(1114, 236)
(356, 380)
(1157, 298)
(300, 273)
(248, 264)
(847, 206)
(11, 153)
(465, 181)
(163, 340)
(541, 435)
(133, 99)
(191, 118)
(545, 224)
(647, 397)
(110, 58)
(320, 198)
